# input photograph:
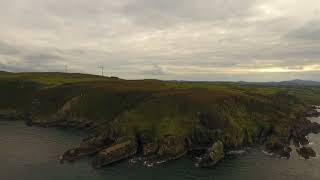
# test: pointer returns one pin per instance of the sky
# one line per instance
(205, 40)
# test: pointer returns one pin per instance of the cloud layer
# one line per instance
(253, 40)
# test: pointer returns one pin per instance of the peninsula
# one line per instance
(158, 121)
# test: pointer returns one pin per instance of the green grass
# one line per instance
(183, 109)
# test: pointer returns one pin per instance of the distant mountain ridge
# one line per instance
(295, 82)
(301, 82)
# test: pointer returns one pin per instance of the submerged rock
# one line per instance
(306, 152)
(122, 149)
(214, 154)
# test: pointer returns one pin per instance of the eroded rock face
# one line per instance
(214, 154)
(306, 152)
(171, 147)
(150, 149)
(147, 144)
(122, 149)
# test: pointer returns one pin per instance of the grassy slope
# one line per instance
(160, 108)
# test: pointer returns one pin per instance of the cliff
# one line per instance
(160, 121)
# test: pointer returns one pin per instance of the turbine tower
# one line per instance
(102, 70)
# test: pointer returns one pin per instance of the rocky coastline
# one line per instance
(153, 122)
(108, 149)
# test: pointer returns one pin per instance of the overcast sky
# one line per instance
(252, 40)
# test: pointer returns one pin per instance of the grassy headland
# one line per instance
(160, 120)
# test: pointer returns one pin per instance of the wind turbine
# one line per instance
(102, 69)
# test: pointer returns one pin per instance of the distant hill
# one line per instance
(299, 82)
(296, 82)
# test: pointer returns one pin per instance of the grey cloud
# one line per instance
(167, 12)
(140, 38)
(7, 49)
(310, 31)
(154, 70)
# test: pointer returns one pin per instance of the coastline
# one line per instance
(163, 121)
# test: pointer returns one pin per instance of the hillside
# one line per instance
(158, 120)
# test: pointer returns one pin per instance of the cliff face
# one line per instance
(161, 121)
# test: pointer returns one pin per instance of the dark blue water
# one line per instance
(30, 153)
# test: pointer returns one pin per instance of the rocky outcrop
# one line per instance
(312, 111)
(150, 149)
(278, 146)
(171, 148)
(306, 152)
(122, 149)
(87, 148)
(213, 155)
(300, 131)
(297, 134)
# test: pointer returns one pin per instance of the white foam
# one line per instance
(235, 152)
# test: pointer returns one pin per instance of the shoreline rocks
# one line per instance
(313, 111)
(122, 149)
(106, 150)
(87, 148)
(278, 146)
(214, 154)
(306, 152)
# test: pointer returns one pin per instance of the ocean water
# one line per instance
(31, 153)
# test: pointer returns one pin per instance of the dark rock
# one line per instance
(245, 140)
(303, 140)
(86, 148)
(214, 154)
(306, 152)
(203, 138)
(146, 144)
(312, 112)
(122, 149)
(314, 128)
(264, 134)
(278, 146)
(296, 143)
(150, 149)
(171, 148)
(303, 128)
